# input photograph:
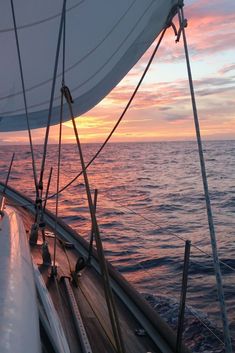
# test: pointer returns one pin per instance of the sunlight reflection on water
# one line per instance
(149, 195)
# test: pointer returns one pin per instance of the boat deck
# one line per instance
(90, 299)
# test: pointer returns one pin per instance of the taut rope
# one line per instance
(25, 101)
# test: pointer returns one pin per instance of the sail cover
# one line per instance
(104, 39)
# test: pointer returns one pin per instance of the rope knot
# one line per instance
(67, 94)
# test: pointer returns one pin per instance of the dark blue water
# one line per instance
(150, 199)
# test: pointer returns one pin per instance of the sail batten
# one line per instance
(104, 41)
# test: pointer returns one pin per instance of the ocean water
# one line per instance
(150, 200)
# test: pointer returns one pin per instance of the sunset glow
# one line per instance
(162, 108)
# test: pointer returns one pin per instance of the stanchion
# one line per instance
(183, 296)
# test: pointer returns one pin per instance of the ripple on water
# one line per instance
(165, 188)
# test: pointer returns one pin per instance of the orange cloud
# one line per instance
(163, 110)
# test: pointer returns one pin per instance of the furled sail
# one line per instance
(104, 39)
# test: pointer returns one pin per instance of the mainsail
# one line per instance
(104, 40)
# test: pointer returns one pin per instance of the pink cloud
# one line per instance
(227, 68)
(211, 29)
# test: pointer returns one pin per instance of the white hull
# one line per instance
(19, 325)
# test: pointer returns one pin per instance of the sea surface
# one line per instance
(150, 200)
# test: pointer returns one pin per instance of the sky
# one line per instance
(162, 108)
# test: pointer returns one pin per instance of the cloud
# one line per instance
(180, 116)
(211, 25)
(210, 30)
(168, 92)
(164, 93)
(227, 68)
(164, 109)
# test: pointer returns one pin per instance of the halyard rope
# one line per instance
(52, 95)
(60, 138)
(203, 170)
(58, 179)
(120, 118)
(105, 275)
(25, 100)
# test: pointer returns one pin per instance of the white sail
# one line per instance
(104, 39)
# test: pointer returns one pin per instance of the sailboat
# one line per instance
(58, 292)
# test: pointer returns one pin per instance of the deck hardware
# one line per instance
(140, 332)
(54, 271)
(183, 296)
(74, 277)
(92, 230)
(2, 206)
(49, 234)
(65, 244)
(33, 237)
(68, 245)
(86, 348)
(46, 256)
(2, 197)
(80, 264)
(33, 234)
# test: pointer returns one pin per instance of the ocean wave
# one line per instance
(198, 329)
(168, 191)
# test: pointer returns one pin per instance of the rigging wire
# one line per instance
(102, 147)
(169, 231)
(115, 126)
(106, 281)
(145, 270)
(25, 100)
(60, 140)
(47, 189)
(120, 118)
(47, 133)
(52, 95)
(58, 181)
(69, 68)
(227, 338)
(204, 324)
(153, 223)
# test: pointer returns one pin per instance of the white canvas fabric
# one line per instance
(104, 39)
